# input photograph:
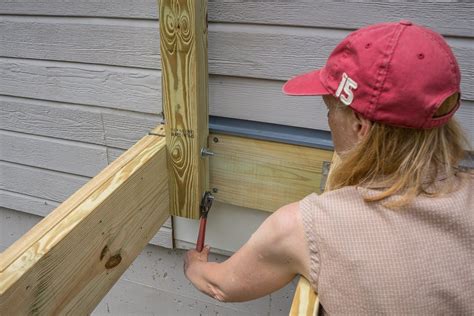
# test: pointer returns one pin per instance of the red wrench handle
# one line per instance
(202, 234)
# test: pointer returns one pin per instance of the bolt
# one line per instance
(215, 139)
(215, 190)
(206, 152)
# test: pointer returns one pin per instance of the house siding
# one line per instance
(81, 82)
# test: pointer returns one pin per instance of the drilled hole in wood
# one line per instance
(103, 252)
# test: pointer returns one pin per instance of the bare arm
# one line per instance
(271, 258)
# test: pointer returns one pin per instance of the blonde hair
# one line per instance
(406, 162)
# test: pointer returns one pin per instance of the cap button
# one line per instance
(405, 22)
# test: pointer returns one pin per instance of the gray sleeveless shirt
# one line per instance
(368, 259)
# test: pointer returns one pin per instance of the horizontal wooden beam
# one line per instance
(71, 259)
(264, 175)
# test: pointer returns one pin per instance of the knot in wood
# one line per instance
(113, 261)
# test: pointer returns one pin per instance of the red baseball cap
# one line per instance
(395, 73)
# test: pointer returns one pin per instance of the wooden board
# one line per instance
(183, 43)
(69, 261)
(347, 15)
(261, 174)
(305, 301)
(25, 205)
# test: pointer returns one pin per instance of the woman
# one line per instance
(395, 232)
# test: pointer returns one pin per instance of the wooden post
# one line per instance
(183, 41)
(70, 260)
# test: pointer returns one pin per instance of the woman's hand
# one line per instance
(192, 261)
(275, 253)
(199, 271)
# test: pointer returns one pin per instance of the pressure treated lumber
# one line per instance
(305, 301)
(263, 175)
(71, 259)
(183, 45)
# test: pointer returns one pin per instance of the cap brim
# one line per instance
(305, 84)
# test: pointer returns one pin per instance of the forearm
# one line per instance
(234, 281)
(264, 264)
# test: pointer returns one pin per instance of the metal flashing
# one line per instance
(272, 132)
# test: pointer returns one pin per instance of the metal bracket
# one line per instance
(324, 175)
(163, 120)
(206, 203)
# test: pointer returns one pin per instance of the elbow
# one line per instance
(207, 282)
(217, 293)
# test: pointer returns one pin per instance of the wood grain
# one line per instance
(263, 175)
(305, 301)
(183, 40)
(69, 261)
(25, 205)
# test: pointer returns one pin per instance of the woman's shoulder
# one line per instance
(467, 174)
(342, 202)
(465, 181)
(334, 196)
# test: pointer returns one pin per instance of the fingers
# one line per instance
(206, 250)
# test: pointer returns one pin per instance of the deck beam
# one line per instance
(69, 261)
